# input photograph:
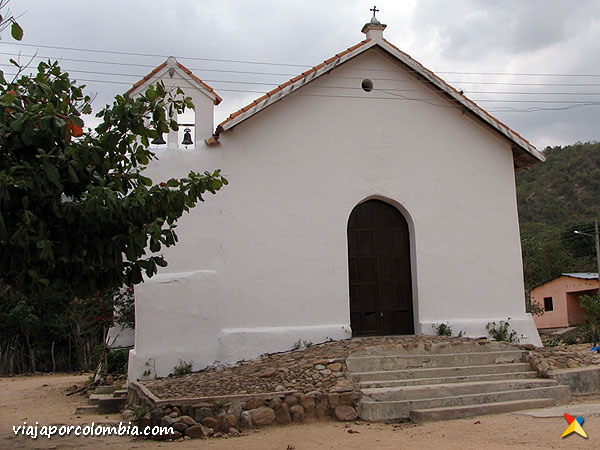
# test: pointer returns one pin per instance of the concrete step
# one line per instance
(432, 348)
(445, 380)
(120, 393)
(106, 389)
(374, 410)
(398, 361)
(440, 372)
(88, 409)
(452, 389)
(111, 405)
(95, 398)
(460, 412)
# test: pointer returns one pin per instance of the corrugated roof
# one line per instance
(524, 152)
(216, 98)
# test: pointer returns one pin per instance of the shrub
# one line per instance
(183, 368)
(501, 331)
(442, 329)
(117, 361)
(585, 333)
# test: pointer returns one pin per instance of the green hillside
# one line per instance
(554, 199)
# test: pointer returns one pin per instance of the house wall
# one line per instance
(264, 263)
(565, 292)
(575, 313)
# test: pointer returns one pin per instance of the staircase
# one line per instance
(438, 381)
(104, 400)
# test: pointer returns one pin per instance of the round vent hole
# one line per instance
(367, 85)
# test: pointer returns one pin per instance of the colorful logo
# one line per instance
(574, 426)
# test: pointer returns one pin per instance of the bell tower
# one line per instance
(195, 126)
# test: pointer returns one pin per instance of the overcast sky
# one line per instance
(534, 64)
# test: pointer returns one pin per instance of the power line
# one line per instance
(137, 77)
(192, 58)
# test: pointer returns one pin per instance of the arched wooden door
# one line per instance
(379, 269)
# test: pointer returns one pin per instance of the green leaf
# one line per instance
(145, 180)
(16, 31)
(7, 100)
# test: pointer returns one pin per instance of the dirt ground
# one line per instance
(42, 399)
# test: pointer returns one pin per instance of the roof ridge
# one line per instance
(282, 86)
(529, 153)
(161, 66)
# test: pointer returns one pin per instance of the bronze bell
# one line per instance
(158, 140)
(187, 137)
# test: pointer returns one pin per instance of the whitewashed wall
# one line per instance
(264, 262)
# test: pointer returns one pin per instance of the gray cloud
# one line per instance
(534, 36)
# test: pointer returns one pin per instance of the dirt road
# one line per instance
(42, 399)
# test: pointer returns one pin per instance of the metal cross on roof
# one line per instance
(375, 10)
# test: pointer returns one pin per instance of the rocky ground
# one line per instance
(317, 368)
(563, 356)
(320, 367)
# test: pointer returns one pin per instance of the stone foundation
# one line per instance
(229, 415)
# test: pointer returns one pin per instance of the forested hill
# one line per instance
(554, 199)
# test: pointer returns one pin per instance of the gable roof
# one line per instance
(185, 73)
(524, 153)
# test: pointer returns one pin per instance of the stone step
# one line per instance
(396, 362)
(460, 412)
(105, 389)
(451, 389)
(95, 398)
(445, 380)
(432, 348)
(111, 405)
(120, 393)
(88, 409)
(400, 409)
(440, 372)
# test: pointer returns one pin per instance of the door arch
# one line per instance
(379, 270)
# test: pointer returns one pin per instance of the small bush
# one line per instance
(585, 333)
(502, 331)
(183, 368)
(552, 342)
(442, 329)
(569, 339)
(139, 412)
(117, 361)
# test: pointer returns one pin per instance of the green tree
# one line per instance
(77, 215)
(591, 304)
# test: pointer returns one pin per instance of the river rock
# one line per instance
(297, 413)
(345, 413)
(282, 414)
(262, 416)
(198, 431)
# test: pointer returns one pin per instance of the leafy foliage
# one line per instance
(442, 329)
(77, 215)
(591, 304)
(183, 368)
(8, 20)
(556, 198)
(502, 331)
(76, 212)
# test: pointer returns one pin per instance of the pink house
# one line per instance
(559, 299)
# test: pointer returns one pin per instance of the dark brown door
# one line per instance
(379, 268)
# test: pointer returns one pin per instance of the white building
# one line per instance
(366, 196)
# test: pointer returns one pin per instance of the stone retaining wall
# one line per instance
(584, 380)
(228, 415)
